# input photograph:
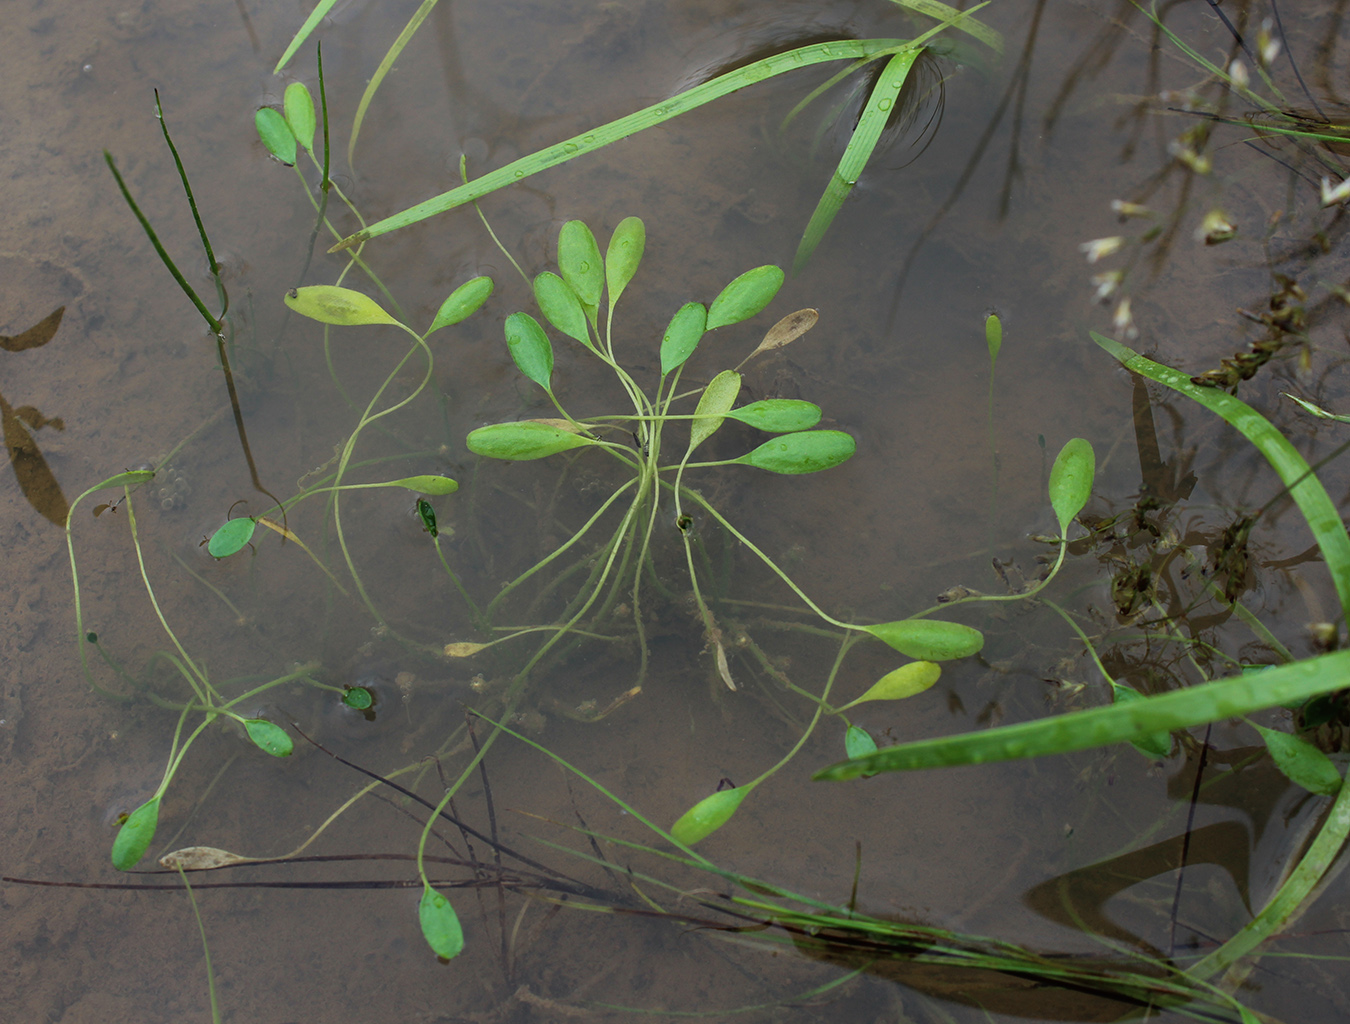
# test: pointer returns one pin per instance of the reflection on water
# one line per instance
(985, 211)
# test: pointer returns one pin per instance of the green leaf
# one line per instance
(778, 414)
(808, 451)
(427, 484)
(331, 304)
(231, 537)
(905, 681)
(299, 107)
(929, 639)
(276, 135)
(682, 336)
(1302, 763)
(993, 335)
(440, 924)
(708, 815)
(1115, 723)
(1316, 410)
(580, 262)
(858, 743)
(626, 247)
(427, 514)
(463, 302)
(561, 307)
(135, 835)
(523, 439)
(1305, 488)
(1157, 745)
(1071, 481)
(358, 698)
(530, 348)
(269, 737)
(745, 296)
(717, 398)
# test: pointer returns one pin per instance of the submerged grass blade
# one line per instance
(1304, 487)
(1117, 723)
(395, 51)
(690, 99)
(317, 15)
(857, 153)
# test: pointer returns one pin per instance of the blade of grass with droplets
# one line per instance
(658, 113)
(1307, 491)
(1116, 723)
(857, 153)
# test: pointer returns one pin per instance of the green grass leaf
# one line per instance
(440, 924)
(686, 329)
(462, 303)
(231, 537)
(524, 439)
(135, 835)
(807, 451)
(745, 296)
(708, 815)
(1304, 487)
(1071, 481)
(276, 135)
(530, 348)
(269, 737)
(1117, 723)
(331, 304)
(626, 247)
(929, 639)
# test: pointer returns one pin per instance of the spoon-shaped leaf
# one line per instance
(929, 639)
(269, 737)
(231, 537)
(523, 439)
(993, 335)
(440, 924)
(276, 135)
(682, 336)
(626, 247)
(135, 835)
(778, 415)
(905, 681)
(463, 649)
(330, 304)
(1302, 763)
(1153, 745)
(708, 815)
(530, 348)
(358, 698)
(808, 451)
(858, 742)
(462, 303)
(427, 484)
(718, 397)
(580, 262)
(785, 332)
(1071, 481)
(299, 107)
(745, 296)
(201, 858)
(561, 307)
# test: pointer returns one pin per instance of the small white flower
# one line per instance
(1107, 284)
(1099, 248)
(1332, 196)
(1125, 209)
(1237, 73)
(1215, 228)
(1123, 320)
(1267, 44)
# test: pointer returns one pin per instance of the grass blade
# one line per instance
(317, 15)
(857, 153)
(395, 51)
(658, 113)
(1304, 487)
(1116, 723)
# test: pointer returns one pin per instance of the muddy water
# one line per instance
(1019, 170)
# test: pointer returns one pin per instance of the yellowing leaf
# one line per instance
(463, 649)
(330, 304)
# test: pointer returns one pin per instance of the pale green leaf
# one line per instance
(580, 263)
(462, 303)
(708, 815)
(717, 398)
(626, 247)
(231, 537)
(808, 451)
(561, 307)
(745, 296)
(276, 135)
(440, 924)
(299, 107)
(929, 639)
(1301, 762)
(523, 439)
(332, 304)
(1071, 481)
(135, 835)
(682, 336)
(268, 736)
(530, 348)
